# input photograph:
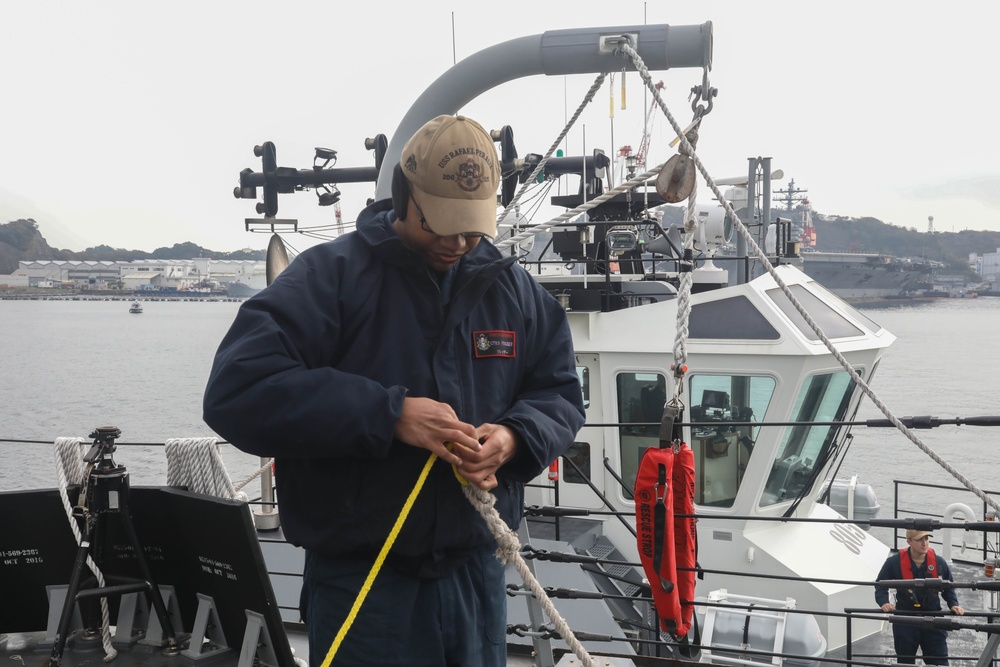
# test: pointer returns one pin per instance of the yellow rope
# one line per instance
(379, 561)
(454, 468)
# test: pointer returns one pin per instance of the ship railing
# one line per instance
(643, 640)
(933, 501)
(989, 627)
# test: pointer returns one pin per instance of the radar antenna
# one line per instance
(790, 195)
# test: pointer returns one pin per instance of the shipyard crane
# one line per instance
(644, 144)
(637, 160)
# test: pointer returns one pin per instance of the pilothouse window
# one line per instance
(832, 323)
(641, 397)
(808, 446)
(723, 408)
(576, 461)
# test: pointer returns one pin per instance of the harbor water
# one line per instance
(70, 366)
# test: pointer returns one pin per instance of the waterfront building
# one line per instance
(145, 274)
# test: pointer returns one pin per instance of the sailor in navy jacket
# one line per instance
(315, 368)
(917, 599)
(917, 561)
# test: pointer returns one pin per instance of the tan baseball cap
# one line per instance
(452, 166)
(916, 534)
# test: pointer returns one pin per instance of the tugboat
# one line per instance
(135, 308)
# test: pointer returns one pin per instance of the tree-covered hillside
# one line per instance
(839, 234)
(21, 240)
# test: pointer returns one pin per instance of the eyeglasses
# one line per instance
(468, 236)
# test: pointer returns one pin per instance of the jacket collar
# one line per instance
(375, 227)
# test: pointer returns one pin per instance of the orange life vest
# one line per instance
(664, 487)
(906, 566)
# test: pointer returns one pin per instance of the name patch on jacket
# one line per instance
(494, 344)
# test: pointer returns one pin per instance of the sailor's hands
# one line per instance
(888, 606)
(477, 453)
(499, 444)
(430, 424)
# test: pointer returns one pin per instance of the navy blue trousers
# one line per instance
(932, 642)
(457, 621)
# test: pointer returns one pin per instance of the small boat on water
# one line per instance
(136, 307)
(768, 374)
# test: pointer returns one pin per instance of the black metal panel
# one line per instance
(195, 543)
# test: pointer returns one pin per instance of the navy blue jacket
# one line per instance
(906, 598)
(314, 371)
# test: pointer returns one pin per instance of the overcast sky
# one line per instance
(127, 123)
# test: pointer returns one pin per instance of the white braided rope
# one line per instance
(197, 464)
(759, 254)
(624, 187)
(254, 475)
(684, 295)
(572, 214)
(509, 551)
(70, 470)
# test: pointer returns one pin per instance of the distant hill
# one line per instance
(870, 235)
(21, 240)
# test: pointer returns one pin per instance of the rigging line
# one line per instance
(572, 213)
(684, 299)
(552, 149)
(322, 228)
(685, 267)
(597, 492)
(759, 254)
(717, 650)
(508, 549)
(918, 422)
(928, 524)
(534, 202)
(586, 206)
(561, 557)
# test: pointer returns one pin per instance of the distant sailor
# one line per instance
(918, 561)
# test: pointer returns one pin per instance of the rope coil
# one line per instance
(197, 464)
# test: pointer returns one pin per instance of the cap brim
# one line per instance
(447, 216)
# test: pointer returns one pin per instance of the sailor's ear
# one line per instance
(400, 192)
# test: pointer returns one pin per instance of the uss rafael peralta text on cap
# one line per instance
(452, 167)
